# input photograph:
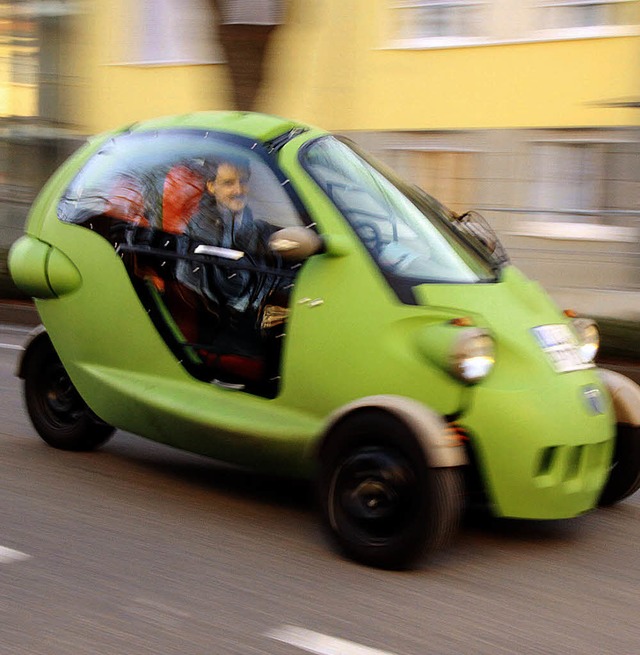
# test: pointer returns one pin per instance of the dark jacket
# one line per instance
(227, 286)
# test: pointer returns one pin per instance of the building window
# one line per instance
(169, 32)
(587, 16)
(567, 178)
(447, 175)
(586, 181)
(437, 22)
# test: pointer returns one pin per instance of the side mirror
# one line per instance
(295, 243)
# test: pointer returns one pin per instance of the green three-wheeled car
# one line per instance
(264, 293)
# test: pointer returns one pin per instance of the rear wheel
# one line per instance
(382, 503)
(55, 408)
(624, 476)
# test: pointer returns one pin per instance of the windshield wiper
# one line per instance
(278, 142)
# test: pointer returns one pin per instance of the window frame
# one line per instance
(583, 31)
(428, 41)
(506, 23)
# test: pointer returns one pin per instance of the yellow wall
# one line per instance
(125, 94)
(23, 100)
(554, 84)
(18, 100)
(317, 63)
(15, 99)
(342, 77)
(110, 94)
(328, 66)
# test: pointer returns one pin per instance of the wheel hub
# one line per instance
(61, 395)
(373, 491)
(373, 499)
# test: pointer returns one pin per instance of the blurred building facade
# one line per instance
(527, 110)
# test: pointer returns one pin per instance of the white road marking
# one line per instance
(315, 642)
(11, 346)
(8, 555)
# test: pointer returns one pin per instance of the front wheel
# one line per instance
(624, 476)
(55, 408)
(384, 506)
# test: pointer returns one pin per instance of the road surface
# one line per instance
(139, 549)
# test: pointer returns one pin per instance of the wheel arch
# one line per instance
(441, 448)
(625, 396)
(36, 337)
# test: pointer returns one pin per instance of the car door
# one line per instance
(191, 213)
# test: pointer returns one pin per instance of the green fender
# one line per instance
(430, 429)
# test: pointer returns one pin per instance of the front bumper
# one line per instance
(543, 452)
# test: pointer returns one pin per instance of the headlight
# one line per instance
(472, 355)
(588, 338)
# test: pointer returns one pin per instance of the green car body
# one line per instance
(540, 441)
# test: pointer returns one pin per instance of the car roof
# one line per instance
(262, 127)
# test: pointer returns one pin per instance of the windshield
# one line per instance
(409, 235)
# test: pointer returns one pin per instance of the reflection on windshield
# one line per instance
(407, 238)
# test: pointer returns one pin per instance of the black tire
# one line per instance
(382, 504)
(55, 408)
(624, 476)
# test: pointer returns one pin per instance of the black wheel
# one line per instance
(624, 477)
(382, 503)
(55, 408)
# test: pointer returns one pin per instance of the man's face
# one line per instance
(230, 187)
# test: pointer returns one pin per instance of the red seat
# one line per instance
(183, 188)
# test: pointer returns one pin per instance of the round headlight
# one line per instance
(588, 338)
(473, 355)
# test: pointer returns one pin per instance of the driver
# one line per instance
(229, 298)
(224, 219)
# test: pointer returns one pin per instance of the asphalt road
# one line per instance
(140, 549)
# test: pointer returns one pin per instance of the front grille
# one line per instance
(575, 466)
